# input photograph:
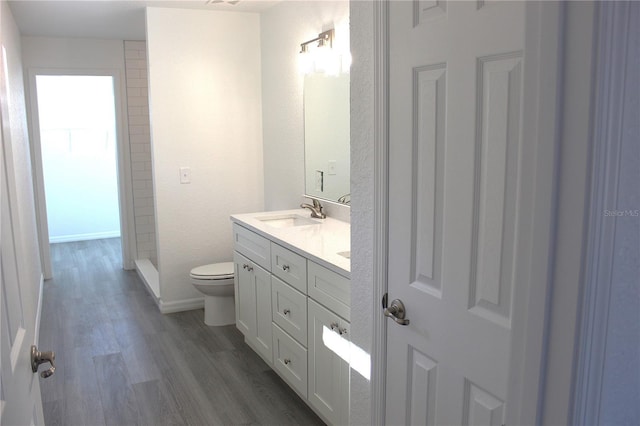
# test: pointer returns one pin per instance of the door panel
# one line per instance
(495, 195)
(454, 142)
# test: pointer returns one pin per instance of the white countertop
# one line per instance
(320, 242)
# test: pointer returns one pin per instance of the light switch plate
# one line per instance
(185, 174)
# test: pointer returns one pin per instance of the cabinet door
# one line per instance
(328, 336)
(253, 305)
(245, 296)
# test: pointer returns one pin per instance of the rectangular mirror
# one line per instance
(326, 137)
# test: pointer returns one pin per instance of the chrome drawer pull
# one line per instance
(286, 312)
(287, 361)
(285, 268)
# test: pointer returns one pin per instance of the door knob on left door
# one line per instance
(38, 358)
(397, 312)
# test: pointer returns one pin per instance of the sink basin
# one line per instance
(346, 254)
(287, 221)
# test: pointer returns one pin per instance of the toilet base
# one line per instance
(219, 310)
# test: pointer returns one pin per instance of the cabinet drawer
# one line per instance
(253, 246)
(290, 360)
(289, 267)
(289, 309)
(330, 289)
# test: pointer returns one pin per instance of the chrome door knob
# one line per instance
(397, 312)
(38, 358)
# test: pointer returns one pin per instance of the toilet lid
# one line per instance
(214, 271)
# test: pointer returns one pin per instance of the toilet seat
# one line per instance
(213, 271)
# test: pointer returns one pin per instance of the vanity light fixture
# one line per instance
(323, 58)
(324, 39)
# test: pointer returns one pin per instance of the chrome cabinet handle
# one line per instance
(287, 361)
(38, 358)
(285, 268)
(286, 312)
(335, 327)
(397, 312)
(245, 266)
(249, 268)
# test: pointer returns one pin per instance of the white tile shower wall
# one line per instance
(135, 54)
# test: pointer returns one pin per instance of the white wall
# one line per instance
(18, 161)
(205, 103)
(621, 369)
(72, 53)
(283, 27)
(362, 199)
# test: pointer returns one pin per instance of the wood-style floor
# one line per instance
(121, 362)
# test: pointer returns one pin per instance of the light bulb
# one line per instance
(305, 63)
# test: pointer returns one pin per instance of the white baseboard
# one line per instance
(149, 276)
(181, 305)
(84, 237)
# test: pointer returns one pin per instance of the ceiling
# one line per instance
(106, 19)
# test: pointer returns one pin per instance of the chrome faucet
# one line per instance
(316, 209)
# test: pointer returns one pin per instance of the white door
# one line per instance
(454, 137)
(20, 402)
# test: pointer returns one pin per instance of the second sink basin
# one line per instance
(287, 221)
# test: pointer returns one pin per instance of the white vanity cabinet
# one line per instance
(295, 311)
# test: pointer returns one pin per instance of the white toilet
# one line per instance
(215, 281)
